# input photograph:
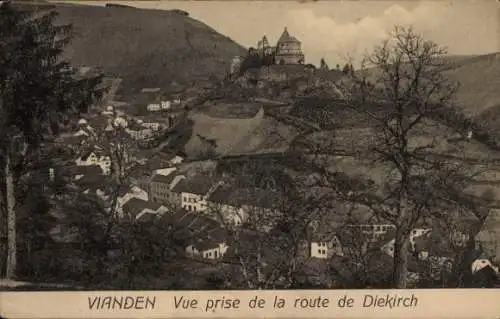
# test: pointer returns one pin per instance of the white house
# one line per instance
(153, 107)
(165, 105)
(209, 249)
(152, 125)
(176, 160)
(194, 192)
(324, 248)
(140, 133)
(94, 158)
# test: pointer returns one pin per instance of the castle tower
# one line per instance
(289, 49)
(263, 47)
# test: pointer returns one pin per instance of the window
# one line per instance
(215, 254)
(319, 251)
(210, 254)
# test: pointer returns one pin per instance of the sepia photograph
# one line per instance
(249, 145)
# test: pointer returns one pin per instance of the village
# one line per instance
(134, 145)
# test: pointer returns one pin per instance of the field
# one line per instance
(223, 131)
(269, 137)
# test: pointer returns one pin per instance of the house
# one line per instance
(155, 126)
(93, 180)
(480, 264)
(234, 205)
(138, 209)
(389, 239)
(159, 106)
(176, 160)
(220, 208)
(202, 236)
(95, 157)
(324, 246)
(153, 107)
(374, 231)
(166, 105)
(77, 172)
(161, 186)
(128, 194)
(213, 246)
(194, 192)
(211, 249)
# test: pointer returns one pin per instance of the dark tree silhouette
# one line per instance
(37, 90)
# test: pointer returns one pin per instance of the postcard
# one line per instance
(222, 159)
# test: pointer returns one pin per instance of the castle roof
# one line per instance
(286, 37)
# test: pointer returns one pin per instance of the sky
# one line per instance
(340, 30)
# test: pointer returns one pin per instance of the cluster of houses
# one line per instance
(202, 204)
(205, 206)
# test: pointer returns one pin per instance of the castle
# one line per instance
(287, 51)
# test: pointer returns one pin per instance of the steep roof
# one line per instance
(220, 194)
(197, 184)
(92, 181)
(211, 240)
(158, 178)
(137, 205)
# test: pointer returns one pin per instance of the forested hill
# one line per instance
(146, 48)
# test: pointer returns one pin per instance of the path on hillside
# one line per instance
(110, 94)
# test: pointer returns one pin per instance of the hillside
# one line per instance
(479, 79)
(146, 48)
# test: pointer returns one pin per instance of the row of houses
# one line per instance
(207, 198)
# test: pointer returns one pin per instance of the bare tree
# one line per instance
(399, 89)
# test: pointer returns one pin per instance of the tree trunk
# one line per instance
(11, 220)
(400, 267)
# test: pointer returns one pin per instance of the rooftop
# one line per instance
(135, 206)
(198, 184)
(85, 170)
(286, 37)
(158, 178)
